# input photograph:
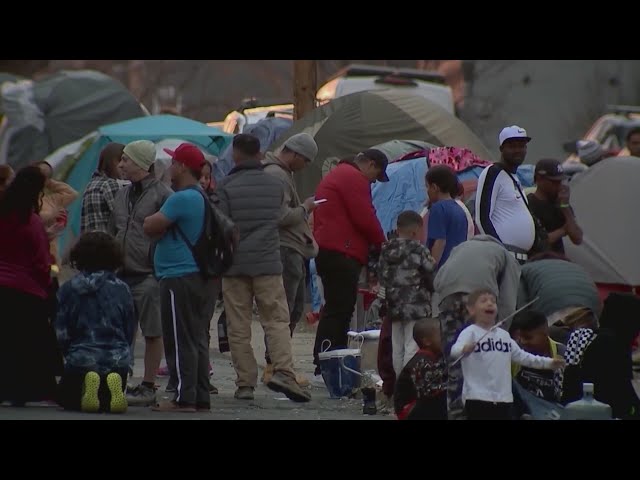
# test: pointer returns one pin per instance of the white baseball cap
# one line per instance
(513, 131)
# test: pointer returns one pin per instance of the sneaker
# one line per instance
(282, 383)
(267, 373)
(244, 393)
(118, 403)
(163, 371)
(302, 380)
(90, 403)
(142, 396)
(212, 389)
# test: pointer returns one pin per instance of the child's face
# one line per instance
(535, 341)
(484, 310)
(433, 341)
(205, 178)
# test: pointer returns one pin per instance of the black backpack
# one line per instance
(213, 251)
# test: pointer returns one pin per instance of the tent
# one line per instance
(405, 189)
(350, 124)
(46, 114)
(604, 199)
(76, 168)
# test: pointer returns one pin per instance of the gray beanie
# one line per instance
(303, 144)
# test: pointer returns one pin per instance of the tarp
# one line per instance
(47, 114)
(605, 199)
(77, 167)
(350, 124)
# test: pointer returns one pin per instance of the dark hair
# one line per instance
(632, 132)
(95, 251)
(22, 196)
(109, 152)
(548, 255)
(476, 294)
(444, 178)
(409, 219)
(528, 320)
(247, 144)
(425, 328)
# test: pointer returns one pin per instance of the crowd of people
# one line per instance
(449, 347)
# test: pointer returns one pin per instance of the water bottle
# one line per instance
(223, 338)
(588, 408)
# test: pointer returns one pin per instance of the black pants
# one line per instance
(339, 275)
(185, 324)
(479, 410)
(70, 388)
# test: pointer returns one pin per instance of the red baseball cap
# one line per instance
(188, 155)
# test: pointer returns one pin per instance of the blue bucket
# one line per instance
(340, 371)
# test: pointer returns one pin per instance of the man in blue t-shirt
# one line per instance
(448, 226)
(183, 290)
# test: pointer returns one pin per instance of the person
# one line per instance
(458, 196)
(297, 245)
(406, 271)
(550, 204)
(533, 337)
(184, 290)
(486, 354)
(6, 176)
(29, 357)
(501, 208)
(421, 389)
(633, 142)
(602, 356)
(99, 195)
(94, 326)
(482, 262)
(253, 200)
(133, 203)
(345, 227)
(559, 285)
(447, 227)
(207, 182)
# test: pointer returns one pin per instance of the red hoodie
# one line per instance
(25, 261)
(347, 222)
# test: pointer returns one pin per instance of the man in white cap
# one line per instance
(296, 241)
(144, 197)
(501, 208)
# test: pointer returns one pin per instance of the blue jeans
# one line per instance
(316, 290)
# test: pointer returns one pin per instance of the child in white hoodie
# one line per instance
(486, 364)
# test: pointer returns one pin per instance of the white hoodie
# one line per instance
(487, 370)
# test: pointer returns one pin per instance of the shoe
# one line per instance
(282, 383)
(118, 403)
(212, 389)
(267, 373)
(210, 370)
(163, 371)
(142, 396)
(244, 393)
(302, 380)
(90, 403)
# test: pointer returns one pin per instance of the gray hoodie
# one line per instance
(481, 262)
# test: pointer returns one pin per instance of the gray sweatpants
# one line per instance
(293, 277)
(183, 302)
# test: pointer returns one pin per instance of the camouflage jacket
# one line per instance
(406, 271)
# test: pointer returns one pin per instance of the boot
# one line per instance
(267, 373)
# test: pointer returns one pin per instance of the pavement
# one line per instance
(267, 405)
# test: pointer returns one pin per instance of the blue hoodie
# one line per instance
(95, 322)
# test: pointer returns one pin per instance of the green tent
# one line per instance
(350, 124)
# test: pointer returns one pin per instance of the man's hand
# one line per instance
(564, 196)
(468, 348)
(309, 204)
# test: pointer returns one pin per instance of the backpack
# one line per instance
(213, 251)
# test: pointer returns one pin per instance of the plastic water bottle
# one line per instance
(223, 337)
(588, 408)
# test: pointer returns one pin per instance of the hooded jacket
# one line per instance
(481, 262)
(294, 229)
(406, 271)
(95, 322)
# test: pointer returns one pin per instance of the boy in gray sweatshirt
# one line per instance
(479, 263)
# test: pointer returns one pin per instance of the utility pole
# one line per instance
(305, 86)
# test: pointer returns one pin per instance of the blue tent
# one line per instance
(154, 128)
(405, 189)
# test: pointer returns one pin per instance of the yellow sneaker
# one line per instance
(118, 403)
(267, 373)
(90, 403)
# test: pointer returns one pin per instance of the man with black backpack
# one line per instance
(184, 226)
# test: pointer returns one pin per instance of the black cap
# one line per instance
(550, 168)
(381, 161)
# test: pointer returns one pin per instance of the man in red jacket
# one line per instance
(345, 226)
